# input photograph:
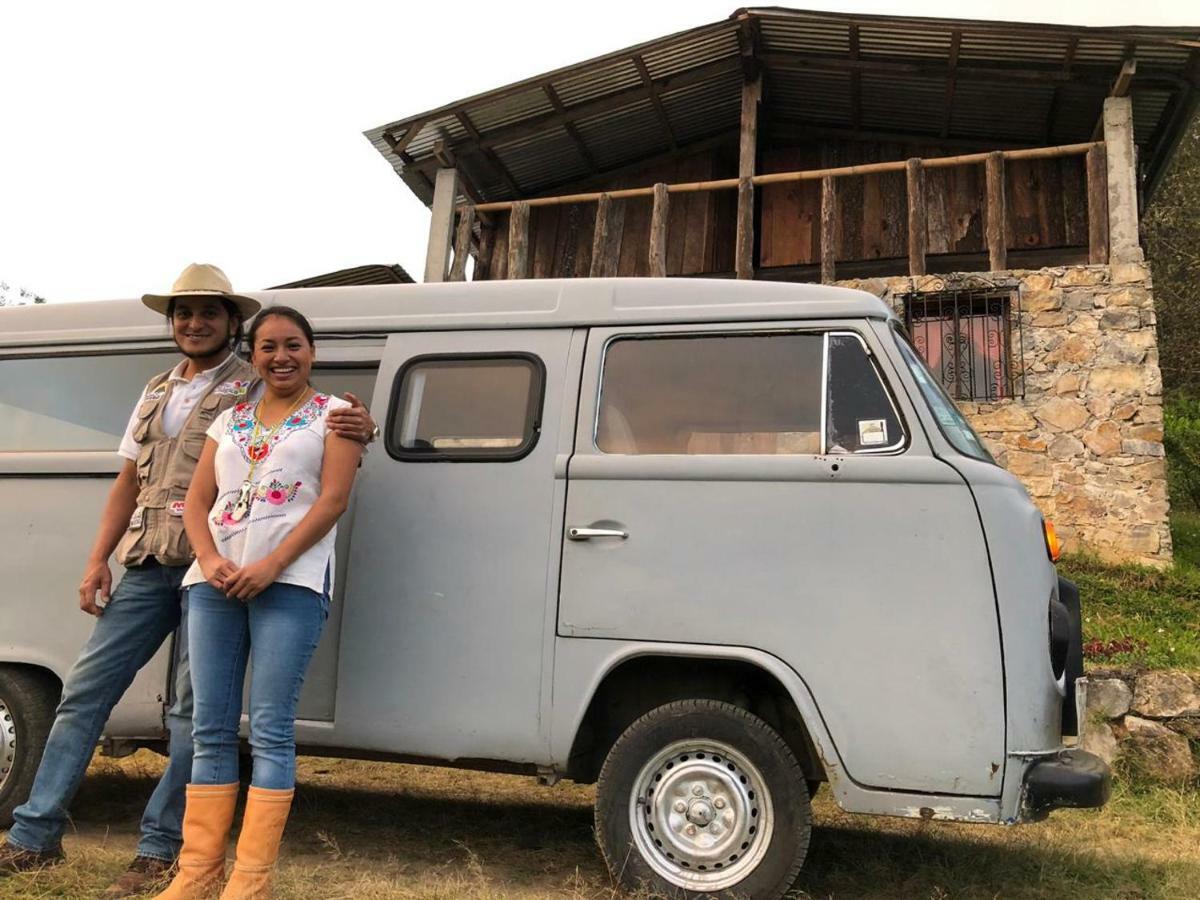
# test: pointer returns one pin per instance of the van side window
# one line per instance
(712, 394)
(72, 403)
(485, 408)
(860, 415)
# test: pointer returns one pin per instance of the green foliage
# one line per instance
(1181, 437)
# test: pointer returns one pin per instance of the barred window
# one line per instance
(966, 338)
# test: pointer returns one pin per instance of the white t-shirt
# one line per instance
(184, 397)
(287, 482)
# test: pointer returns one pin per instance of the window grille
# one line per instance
(966, 337)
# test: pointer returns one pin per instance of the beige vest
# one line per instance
(165, 466)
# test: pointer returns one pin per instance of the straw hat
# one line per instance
(202, 280)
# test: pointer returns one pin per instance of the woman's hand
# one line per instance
(250, 581)
(217, 570)
(354, 424)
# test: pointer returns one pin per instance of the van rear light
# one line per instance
(1053, 546)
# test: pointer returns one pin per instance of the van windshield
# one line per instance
(953, 424)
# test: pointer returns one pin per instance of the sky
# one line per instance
(137, 137)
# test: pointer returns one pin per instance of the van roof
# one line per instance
(530, 303)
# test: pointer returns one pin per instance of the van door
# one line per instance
(448, 619)
(722, 494)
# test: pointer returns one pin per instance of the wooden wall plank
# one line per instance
(656, 261)
(828, 229)
(1097, 205)
(997, 213)
(499, 268)
(744, 254)
(462, 243)
(917, 226)
(518, 240)
(1073, 201)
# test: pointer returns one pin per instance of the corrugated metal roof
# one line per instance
(1012, 83)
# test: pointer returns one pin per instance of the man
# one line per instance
(143, 522)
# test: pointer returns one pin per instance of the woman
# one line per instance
(261, 512)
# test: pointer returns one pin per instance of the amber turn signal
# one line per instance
(1053, 546)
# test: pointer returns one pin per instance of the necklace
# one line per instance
(257, 450)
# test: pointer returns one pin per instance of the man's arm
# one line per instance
(353, 422)
(97, 578)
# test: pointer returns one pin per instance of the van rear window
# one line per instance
(485, 408)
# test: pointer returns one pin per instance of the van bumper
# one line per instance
(1071, 779)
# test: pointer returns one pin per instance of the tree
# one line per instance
(18, 296)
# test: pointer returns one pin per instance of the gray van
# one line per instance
(705, 543)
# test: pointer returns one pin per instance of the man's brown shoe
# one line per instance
(14, 860)
(145, 874)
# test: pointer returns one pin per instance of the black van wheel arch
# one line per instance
(720, 771)
(28, 699)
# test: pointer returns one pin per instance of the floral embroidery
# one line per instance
(241, 426)
(234, 388)
(274, 492)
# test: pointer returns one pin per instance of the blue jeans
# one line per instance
(277, 632)
(145, 608)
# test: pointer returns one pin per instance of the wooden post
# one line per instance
(462, 244)
(606, 240)
(1097, 205)
(658, 231)
(828, 228)
(518, 240)
(487, 246)
(917, 230)
(1121, 163)
(747, 152)
(437, 254)
(997, 213)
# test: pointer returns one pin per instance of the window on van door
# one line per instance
(861, 417)
(712, 394)
(72, 403)
(482, 408)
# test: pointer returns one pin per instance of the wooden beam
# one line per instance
(462, 243)
(659, 218)
(495, 161)
(606, 239)
(400, 144)
(952, 71)
(997, 213)
(748, 142)
(437, 253)
(744, 250)
(917, 229)
(655, 100)
(1097, 193)
(487, 248)
(828, 229)
(1120, 88)
(571, 130)
(518, 240)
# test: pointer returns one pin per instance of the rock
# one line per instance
(1039, 283)
(1125, 411)
(1104, 440)
(1055, 318)
(1076, 349)
(1071, 383)
(1147, 433)
(1188, 726)
(1098, 738)
(1143, 448)
(1028, 442)
(1065, 446)
(1157, 753)
(1082, 275)
(1130, 296)
(1121, 319)
(1006, 418)
(1116, 379)
(1062, 414)
(1108, 697)
(1161, 695)
(1140, 539)
(1041, 301)
(1023, 464)
(1127, 273)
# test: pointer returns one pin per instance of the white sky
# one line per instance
(136, 137)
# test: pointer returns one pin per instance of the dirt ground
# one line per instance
(382, 830)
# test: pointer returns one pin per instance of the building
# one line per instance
(985, 178)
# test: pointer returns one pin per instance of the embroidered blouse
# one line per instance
(287, 482)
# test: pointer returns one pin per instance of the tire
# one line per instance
(27, 703)
(682, 794)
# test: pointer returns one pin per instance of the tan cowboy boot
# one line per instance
(206, 822)
(258, 844)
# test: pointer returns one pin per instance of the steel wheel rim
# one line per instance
(8, 742)
(701, 815)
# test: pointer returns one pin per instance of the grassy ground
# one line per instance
(391, 831)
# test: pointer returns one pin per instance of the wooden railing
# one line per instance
(605, 250)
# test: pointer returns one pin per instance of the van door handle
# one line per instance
(586, 534)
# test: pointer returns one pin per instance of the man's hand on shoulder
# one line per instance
(94, 590)
(354, 423)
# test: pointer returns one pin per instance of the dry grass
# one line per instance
(413, 833)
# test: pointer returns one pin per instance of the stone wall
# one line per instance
(1084, 431)
(1149, 722)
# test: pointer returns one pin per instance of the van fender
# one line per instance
(582, 664)
(24, 656)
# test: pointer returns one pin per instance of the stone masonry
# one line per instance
(1086, 437)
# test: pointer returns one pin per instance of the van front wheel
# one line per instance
(27, 703)
(703, 799)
